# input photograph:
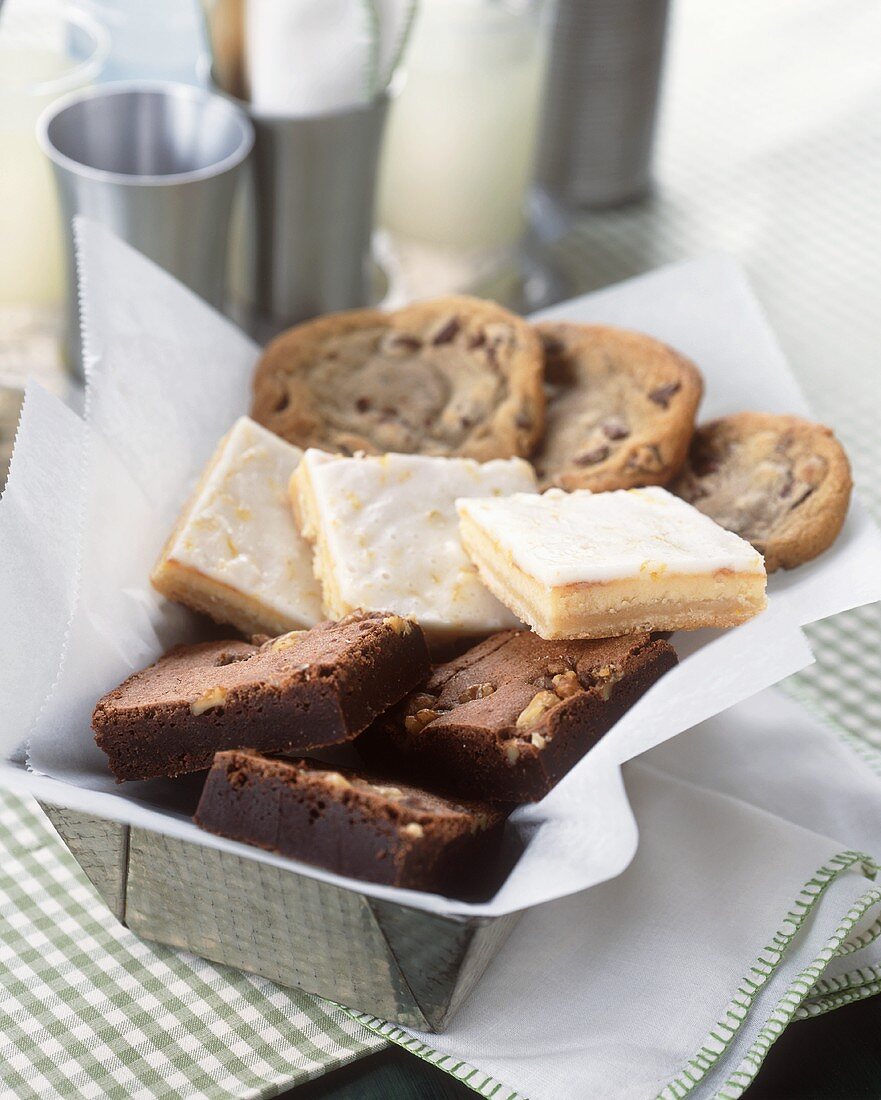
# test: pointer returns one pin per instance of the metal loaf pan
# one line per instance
(389, 960)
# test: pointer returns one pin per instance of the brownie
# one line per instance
(508, 719)
(354, 824)
(299, 691)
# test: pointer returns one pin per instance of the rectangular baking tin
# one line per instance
(389, 960)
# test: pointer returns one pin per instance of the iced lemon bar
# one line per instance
(597, 565)
(236, 553)
(386, 536)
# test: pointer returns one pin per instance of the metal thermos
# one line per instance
(601, 101)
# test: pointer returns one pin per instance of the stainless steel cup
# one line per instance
(157, 164)
(309, 217)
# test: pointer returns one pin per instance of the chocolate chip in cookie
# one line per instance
(451, 376)
(780, 482)
(620, 408)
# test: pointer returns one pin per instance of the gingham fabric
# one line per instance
(88, 1010)
(758, 158)
(845, 682)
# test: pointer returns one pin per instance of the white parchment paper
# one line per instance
(91, 501)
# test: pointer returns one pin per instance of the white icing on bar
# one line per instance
(563, 538)
(388, 531)
(240, 530)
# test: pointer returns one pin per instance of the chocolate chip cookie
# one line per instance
(620, 408)
(781, 482)
(451, 376)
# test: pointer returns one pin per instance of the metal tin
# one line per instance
(389, 960)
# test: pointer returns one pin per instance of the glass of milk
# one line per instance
(460, 141)
(45, 52)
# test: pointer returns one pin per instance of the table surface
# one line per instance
(769, 149)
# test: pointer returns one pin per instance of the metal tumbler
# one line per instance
(309, 216)
(157, 164)
(601, 98)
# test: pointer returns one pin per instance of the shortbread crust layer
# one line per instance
(655, 599)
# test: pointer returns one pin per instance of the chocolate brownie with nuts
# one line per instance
(780, 482)
(450, 376)
(508, 719)
(298, 691)
(620, 408)
(361, 825)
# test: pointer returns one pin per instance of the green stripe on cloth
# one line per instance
(796, 1002)
(476, 1079)
(482, 1083)
(789, 1004)
(89, 1010)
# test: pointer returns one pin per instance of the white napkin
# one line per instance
(306, 57)
(166, 377)
(746, 905)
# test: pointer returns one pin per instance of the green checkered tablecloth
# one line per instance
(845, 682)
(88, 1010)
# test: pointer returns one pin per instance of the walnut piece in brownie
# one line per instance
(301, 690)
(780, 482)
(620, 408)
(508, 719)
(450, 376)
(370, 828)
